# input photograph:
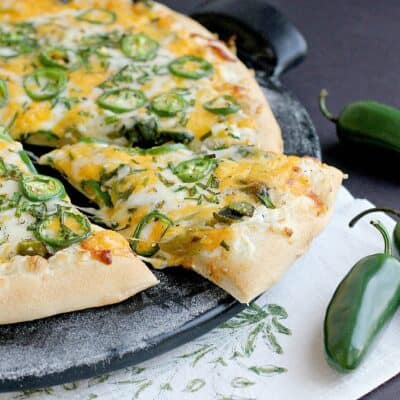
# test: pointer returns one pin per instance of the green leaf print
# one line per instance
(240, 382)
(194, 385)
(251, 339)
(279, 311)
(199, 354)
(142, 387)
(166, 387)
(268, 370)
(280, 328)
(251, 315)
(271, 341)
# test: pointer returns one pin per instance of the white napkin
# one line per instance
(274, 349)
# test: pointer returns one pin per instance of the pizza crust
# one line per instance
(269, 135)
(32, 287)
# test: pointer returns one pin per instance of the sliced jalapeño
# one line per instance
(41, 187)
(222, 105)
(122, 100)
(139, 47)
(63, 229)
(195, 169)
(149, 232)
(97, 16)
(45, 83)
(60, 57)
(168, 104)
(190, 67)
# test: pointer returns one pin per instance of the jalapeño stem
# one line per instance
(385, 234)
(373, 210)
(324, 109)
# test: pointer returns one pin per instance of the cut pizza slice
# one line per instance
(52, 260)
(238, 216)
(131, 73)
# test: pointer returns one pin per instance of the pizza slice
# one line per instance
(238, 216)
(52, 260)
(132, 73)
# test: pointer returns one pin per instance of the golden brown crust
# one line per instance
(269, 134)
(72, 279)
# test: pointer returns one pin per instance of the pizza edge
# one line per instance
(79, 277)
(247, 276)
(269, 135)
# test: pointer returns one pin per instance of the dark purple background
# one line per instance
(354, 51)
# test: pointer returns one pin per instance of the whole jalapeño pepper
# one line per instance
(366, 122)
(363, 303)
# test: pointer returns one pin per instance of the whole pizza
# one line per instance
(166, 132)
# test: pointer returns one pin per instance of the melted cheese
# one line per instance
(76, 112)
(19, 214)
(153, 183)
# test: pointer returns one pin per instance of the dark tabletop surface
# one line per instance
(354, 51)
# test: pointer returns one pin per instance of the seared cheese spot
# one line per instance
(105, 240)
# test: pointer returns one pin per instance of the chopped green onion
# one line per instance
(3, 93)
(93, 189)
(28, 162)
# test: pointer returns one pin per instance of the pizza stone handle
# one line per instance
(248, 19)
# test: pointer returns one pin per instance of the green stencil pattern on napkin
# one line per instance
(259, 328)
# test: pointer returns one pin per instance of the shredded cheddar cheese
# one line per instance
(177, 204)
(50, 33)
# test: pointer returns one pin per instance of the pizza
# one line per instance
(130, 73)
(52, 259)
(158, 123)
(237, 216)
